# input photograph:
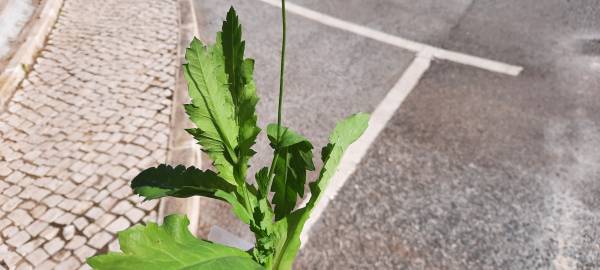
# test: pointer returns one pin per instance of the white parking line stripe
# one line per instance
(379, 119)
(410, 45)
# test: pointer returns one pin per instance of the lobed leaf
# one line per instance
(293, 158)
(182, 182)
(242, 88)
(223, 108)
(170, 247)
(223, 92)
(212, 109)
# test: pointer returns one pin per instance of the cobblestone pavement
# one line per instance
(93, 111)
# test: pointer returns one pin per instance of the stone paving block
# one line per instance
(78, 178)
(49, 232)
(3, 186)
(20, 217)
(78, 165)
(104, 220)
(52, 214)
(100, 196)
(62, 255)
(116, 184)
(102, 159)
(3, 199)
(11, 259)
(65, 188)
(122, 207)
(5, 170)
(4, 223)
(75, 193)
(80, 223)
(12, 191)
(24, 266)
(53, 200)
(36, 227)
(29, 246)
(135, 215)
(47, 264)
(40, 171)
(68, 204)
(10, 231)
(38, 210)
(116, 171)
(68, 264)
(90, 230)
(18, 239)
(100, 239)
(108, 203)
(135, 199)
(37, 257)
(68, 232)
(89, 169)
(76, 242)
(114, 246)
(92, 181)
(131, 173)
(81, 207)
(122, 192)
(65, 219)
(104, 147)
(14, 177)
(118, 225)
(39, 194)
(148, 205)
(54, 245)
(28, 205)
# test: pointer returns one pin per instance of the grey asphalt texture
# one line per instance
(476, 170)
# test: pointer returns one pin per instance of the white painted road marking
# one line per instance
(392, 101)
(379, 119)
(397, 41)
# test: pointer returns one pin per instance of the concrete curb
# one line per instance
(25, 55)
(182, 148)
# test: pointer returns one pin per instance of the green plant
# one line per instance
(223, 103)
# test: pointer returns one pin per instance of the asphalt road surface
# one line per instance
(476, 169)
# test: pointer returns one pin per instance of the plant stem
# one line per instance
(280, 102)
(281, 72)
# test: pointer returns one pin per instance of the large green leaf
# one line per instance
(242, 88)
(294, 158)
(288, 229)
(212, 108)
(182, 182)
(224, 100)
(168, 247)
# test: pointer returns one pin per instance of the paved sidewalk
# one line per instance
(91, 114)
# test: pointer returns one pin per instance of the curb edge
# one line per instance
(182, 149)
(14, 73)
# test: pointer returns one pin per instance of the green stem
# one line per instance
(281, 72)
(280, 102)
